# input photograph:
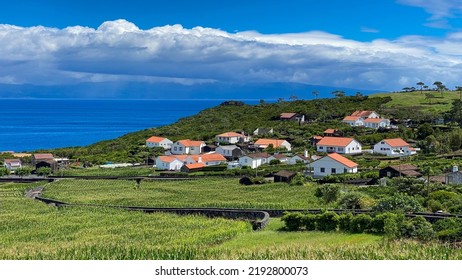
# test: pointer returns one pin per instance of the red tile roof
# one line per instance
(335, 141)
(230, 134)
(266, 142)
(155, 139)
(43, 156)
(172, 158)
(14, 160)
(351, 118)
(373, 120)
(191, 143)
(195, 165)
(329, 131)
(363, 114)
(396, 142)
(343, 160)
(208, 157)
(287, 115)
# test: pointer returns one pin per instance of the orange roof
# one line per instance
(287, 115)
(171, 158)
(209, 157)
(155, 139)
(317, 137)
(191, 143)
(14, 160)
(266, 142)
(361, 113)
(195, 165)
(373, 120)
(343, 160)
(329, 130)
(230, 134)
(396, 142)
(335, 141)
(351, 118)
(43, 156)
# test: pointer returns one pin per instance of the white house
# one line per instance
(187, 147)
(341, 145)
(232, 138)
(394, 147)
(276, 143)
(353, 121)
(155, 141)
(299, 159)
(376, 123)
(170, 162)
(282, 158)
(207, 159)
(12, 164)
(230, 152)
(254, 160)
(333, 164)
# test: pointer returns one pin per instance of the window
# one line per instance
(321, 147)
(333, 170)
(345, 170)
(174, 148)
(323, 170)
(180, 149)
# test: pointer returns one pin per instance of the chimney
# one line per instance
(455, 168)
(306, 154)
(199, 159)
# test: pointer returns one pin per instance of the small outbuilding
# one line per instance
(284, 176)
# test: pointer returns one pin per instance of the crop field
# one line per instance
(30, 229)
(204, 192)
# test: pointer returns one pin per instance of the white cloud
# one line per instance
(440, 10)
(120, 51)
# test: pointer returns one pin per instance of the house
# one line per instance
(44, 160)
(276, 143)
(394, 147)
(12, 164)
(230, 152)
(232, 138)
(155, 141)
(209, 148)
(170, 162)
(254, 160)
(187, 147)
(401, 170)
(455, 177)
(315, 139)
(282, 158)
(341, 145)
(284, 176)
(299, 159)
(353, 121)
(192, 167)
(376, 123)
(333, 164)
(331, 132)
(365, 114)
(263, 131)
(292, 117)
(207, 159)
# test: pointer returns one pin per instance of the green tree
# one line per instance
(4, 171)
(43, 171)
(398, 202)
(455, 114)
(23, 171)
(421, 85)
(439, 87)
(328, 192)
(327, 221)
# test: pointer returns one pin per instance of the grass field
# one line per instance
(418, 100)
(30, 229)
(205, 192)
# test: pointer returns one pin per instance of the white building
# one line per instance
(254, 160)
(394, 147)
(187, 147)
(229, 151)
(365, 114)
(276, 143)
(341, 145)
(12, 164)
(333, 164)
(175, 162)
(155, 141)
(170, 162)
(353, 121)
(376, 123)
(232, 138)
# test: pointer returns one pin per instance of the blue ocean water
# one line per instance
(31, 124)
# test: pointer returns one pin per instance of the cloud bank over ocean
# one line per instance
(119, 51)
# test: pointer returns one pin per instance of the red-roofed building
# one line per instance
(232, 138)
(155, 141)
(333, 164)
(341, 145)
(187, 147)
(12, 164)
(365, 114)
(276, 143)
(394, 147)
(353, 121)
(193, 167)
(292, 117)
(176, 162)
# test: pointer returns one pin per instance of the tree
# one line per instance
(455, 113)
(23, 171)
(293, 97)
(440, 87)
(4, 171)
(421, 85)
(429, 96)
(338, 93)
(43, 171)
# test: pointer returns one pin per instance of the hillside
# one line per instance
(323, 113)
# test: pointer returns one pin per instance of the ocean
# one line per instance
(32, 124)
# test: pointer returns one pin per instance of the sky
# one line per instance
(379, 45)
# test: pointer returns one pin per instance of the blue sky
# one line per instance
(384, 44)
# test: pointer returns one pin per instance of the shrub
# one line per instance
(298, 180)
(309, 221)
(352, 200)
(448, 223)
(378, 222)
(328, 192)
(398, 202)
(360, 223)
(292, 221)
(43, 171)
(422, 229)
(344, 221)
(327, 221)
(390, 227)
